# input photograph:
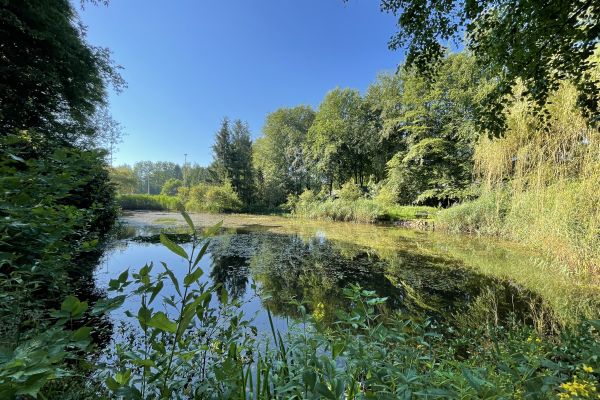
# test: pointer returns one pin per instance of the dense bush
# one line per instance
(211, 198)
(350, 191)
(157, 202)
(57, 209)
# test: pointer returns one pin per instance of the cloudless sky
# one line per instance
(189, 63)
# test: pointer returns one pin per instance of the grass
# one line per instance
(397, 212)
(154, 202)
(360, 210)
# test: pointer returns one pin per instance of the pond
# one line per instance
(266, 262)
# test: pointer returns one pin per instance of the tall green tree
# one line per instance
(278, 155)
(435, 126)
(241, 163)
(222, 153)
(342, 139)
(153, 175)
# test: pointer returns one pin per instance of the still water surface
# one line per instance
(266, 262)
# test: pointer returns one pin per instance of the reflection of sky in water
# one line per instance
(134, 255)
(320, 235)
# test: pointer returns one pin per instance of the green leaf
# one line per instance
(188, 220)
(173, 278)
(82, 333)
(155, 291)
(201, 253)
(174, 247)
(322, 389)
(105, 305)
(224, 296)
(213, 230)
(73, 306)
(124, 276)
(310, 379)
(193, 277)
(162, 322)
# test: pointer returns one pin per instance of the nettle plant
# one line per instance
(188, 349)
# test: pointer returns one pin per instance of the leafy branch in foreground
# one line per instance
(191, 343)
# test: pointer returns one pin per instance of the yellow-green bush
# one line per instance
(211, 198)
(350, 191)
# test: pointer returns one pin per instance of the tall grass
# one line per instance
(155, 202)
(540, 184)
(353, 209)
(361, 210)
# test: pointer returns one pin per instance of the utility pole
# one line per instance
(184, 169)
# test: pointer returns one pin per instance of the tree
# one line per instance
(434, 123)
(222, 153)
(109, 132)
(278, 155)
(342, 140)
(171, 187)
(51, 79)
(153, 175)
(241, 162)
(197, 174)
(125, 179)
(538, 42)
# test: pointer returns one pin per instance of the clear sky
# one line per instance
(188, 63)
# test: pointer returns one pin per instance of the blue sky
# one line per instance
(188, 63)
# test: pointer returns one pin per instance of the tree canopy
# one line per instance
(538, 42)
(51, 79)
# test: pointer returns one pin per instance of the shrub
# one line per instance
(386, 196)
(171, 187)
(482, 216)
(213, 198)
(222, 198)
(539, 183)
(350, 191)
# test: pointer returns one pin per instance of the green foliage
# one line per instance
(350, 191)
(233, 160)
(151, 176)
(212, 198)
(192, 348)
(171, 187)
(349, 207)
(124, 179)
(55, 210)
(367, 353)
(433, 127)
(517, 40)
(341, 139)
(539, 183)
(157, 202)
(58, 91)
(278, 157)
(359, 210)
(50, 354)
